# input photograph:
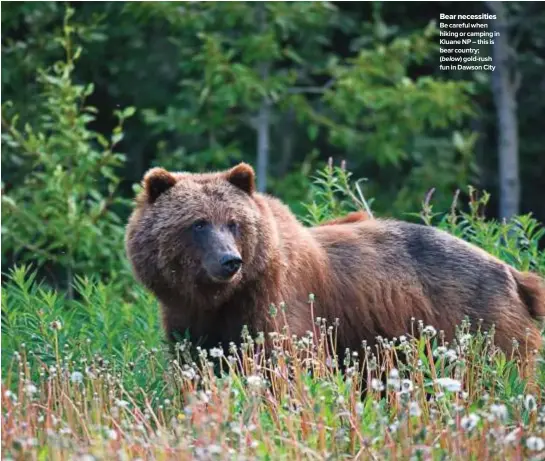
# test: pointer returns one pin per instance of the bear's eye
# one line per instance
(200, 224)
(233, 226)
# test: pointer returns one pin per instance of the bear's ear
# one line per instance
(243, 177)
(156, 182)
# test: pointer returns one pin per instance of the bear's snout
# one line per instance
(223, 266)
(230, 264)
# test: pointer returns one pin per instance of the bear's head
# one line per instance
(196, 235)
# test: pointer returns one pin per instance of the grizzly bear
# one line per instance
(217, 254)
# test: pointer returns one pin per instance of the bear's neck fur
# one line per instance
(289, 258)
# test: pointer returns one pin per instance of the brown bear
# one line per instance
(217, 254)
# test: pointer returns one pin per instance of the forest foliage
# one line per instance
(94, 94)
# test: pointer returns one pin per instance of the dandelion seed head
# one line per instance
(30, 389)
(451, 355)
(214, 449)
(468, 423)
(530, 403)
(449, 384)
(359, 408)
(499, 412)
(216, 352)
(406, 386)
(119, 403)
(76, 377)
(254, 381)
(56, 325)
(535, 443)
(414, 409)
(429, 331)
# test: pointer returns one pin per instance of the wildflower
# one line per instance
(440, 351)
(530, 403)
(340, 400)
(451, 355)
(112, 435)
(30, 389)
(10, 395)
(469, 422)
(414, 409)
(89, 373)
(449, 384)
(121, 403)
(406, 386)
(499, 411)
(429, 331)
(216, 352)
(512, 437)
(188, 373)
(535, 443)
(393, 379)
(376, 385)
(254, 381)
(214, 449)
(394, 426)
(76, 377)
(359, 408)
(56, 325)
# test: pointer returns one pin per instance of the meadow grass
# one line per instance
(92, 380)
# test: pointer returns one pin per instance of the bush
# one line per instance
(60, 210)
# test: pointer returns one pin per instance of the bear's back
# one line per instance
(422, 264)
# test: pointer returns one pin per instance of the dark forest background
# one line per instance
(95, 93)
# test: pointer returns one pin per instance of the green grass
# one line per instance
(95, 380)
(91, 378)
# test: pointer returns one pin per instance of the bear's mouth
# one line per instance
(205, 278)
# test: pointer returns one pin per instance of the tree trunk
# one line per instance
(504, 85)
(263, 122)
(263, 119)
(287, 142)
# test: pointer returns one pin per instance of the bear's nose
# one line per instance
(230, 264)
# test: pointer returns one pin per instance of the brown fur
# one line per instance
(350, 218)
(372, 274)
